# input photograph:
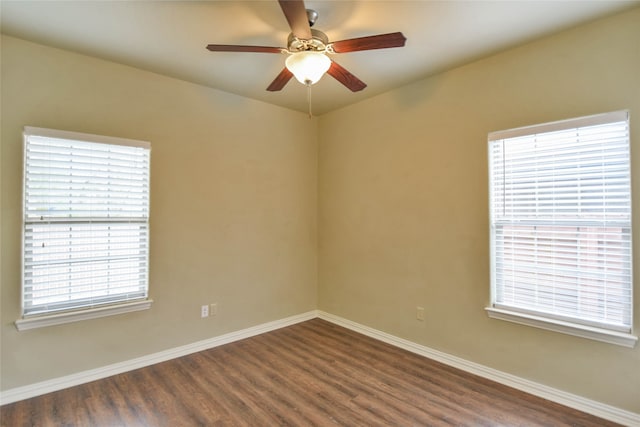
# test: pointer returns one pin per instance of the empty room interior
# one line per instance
(325, 208)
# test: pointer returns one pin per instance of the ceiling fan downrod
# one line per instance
(312, 16)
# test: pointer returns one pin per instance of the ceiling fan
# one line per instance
(308, 49)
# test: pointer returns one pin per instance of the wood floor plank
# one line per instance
(313, 373)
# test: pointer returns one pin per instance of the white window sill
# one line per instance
(598, 334)
(76, 316)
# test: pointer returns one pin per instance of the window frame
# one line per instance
(532, 317)
(83, 310)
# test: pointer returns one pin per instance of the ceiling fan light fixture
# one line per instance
(308, 66)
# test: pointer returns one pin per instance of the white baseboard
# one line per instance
(37, 389)
(573, 401)
(592, 407)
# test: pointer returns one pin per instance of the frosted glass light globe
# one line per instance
(308, 66)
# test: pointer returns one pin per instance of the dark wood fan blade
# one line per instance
(239, 48)
(280, 81)
(341, 74)
(296, 15)
(381, 41)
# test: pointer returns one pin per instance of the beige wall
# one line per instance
(403, 210)
(233, 207)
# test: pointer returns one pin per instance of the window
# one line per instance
(560, 211)
(86, 222)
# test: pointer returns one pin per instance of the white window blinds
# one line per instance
(560, 203)
(86, 212)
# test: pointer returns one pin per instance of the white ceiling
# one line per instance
(169, 37)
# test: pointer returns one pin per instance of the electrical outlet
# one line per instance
(204, 311)
(420, 313)
(213, 309)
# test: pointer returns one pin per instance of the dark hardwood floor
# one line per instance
(312, 373)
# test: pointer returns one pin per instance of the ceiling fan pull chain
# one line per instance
(309, 97)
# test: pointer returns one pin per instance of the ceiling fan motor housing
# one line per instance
(318, 42)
